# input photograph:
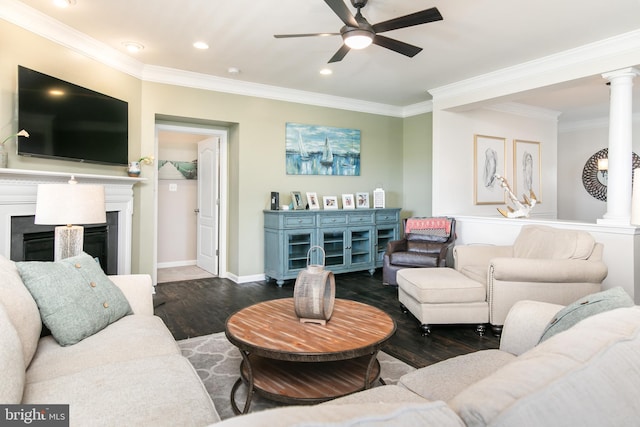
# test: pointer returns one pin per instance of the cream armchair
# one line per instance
(544, 264)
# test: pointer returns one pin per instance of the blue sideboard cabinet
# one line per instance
(353, 240)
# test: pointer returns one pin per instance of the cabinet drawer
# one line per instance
(387, 217)
(333, 219)
(300, 221)
(364, 218)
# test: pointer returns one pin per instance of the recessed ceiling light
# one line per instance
(133, 47)
(233, 70)
(64, 3)
(56, 92)
(201, 45)
(326, 72)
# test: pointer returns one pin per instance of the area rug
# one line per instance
(217, 362)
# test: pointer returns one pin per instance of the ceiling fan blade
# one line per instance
(284, 36)
(428, 15)
(397, 46)
(341, 53)
(343, 12)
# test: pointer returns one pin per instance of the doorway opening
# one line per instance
(191, 200)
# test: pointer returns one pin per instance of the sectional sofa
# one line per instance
(587, 375)
(130, 373)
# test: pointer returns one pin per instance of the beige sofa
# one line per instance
(129, 374)
(544, 264)
(588, 375)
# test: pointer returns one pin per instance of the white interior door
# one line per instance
(207, 211)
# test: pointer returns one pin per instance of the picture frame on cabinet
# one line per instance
(362, 200)
(330, 202)
(296, 199)
(348, 202)
(312, 200)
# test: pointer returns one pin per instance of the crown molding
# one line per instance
(419, 108)
(38, 23)
(600, 52)
(194, 80)
(525, 111)
(599, 123)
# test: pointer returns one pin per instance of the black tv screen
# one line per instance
(70, 122)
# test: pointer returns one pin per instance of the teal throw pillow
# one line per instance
(75, 298)
(585, 307)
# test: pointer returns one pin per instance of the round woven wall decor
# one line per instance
(592, 184)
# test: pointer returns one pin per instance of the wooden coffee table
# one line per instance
(292, 362)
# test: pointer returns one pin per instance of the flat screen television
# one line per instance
(70, 122)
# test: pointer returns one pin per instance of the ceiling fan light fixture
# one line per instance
(358, 39)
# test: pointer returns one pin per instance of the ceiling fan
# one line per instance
(357, 33)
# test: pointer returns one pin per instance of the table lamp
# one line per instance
(64, 205)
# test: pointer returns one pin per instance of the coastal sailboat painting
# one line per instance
(322, 150)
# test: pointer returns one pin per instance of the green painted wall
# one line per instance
(395, 152)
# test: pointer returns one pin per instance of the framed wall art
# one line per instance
(488, 160)
(322, 150)
(526, 168)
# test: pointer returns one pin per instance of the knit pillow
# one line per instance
(585, 307)
(75, 298)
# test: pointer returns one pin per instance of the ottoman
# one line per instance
(442, 296)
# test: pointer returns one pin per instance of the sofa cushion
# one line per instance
(543, 242)
(21, 308)
(11, 361)
(585, 307)
(414, 259)
(593, 363)
(373, 414)
(76, 299)
(444, 380)
(132, 337)
(154, 391)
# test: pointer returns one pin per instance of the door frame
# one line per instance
(206, 131)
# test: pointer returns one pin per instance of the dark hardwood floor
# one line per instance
(200, 307)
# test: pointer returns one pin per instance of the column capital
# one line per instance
(624, 72)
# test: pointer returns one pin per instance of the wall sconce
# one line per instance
(64, 205)
(603, 167)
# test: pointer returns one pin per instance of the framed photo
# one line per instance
(348, 202)
(296, 199)
(488, 160)
(526, 168)
(312, 199)
(330, 202)
(362, 200)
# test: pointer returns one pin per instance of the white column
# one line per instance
(620, 147)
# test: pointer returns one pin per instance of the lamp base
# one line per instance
(69, 241)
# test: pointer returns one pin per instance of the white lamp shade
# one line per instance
(67, 204)
(635, 198)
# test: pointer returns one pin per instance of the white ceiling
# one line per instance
(475, 37)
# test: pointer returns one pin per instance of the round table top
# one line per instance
(272, 329)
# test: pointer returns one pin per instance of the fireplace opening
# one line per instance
(31, 242)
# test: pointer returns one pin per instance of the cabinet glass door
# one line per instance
(298, 245)
(333, 242)
(385, 235)
(360, 246)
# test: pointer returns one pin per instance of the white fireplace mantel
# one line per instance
(18, 190)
